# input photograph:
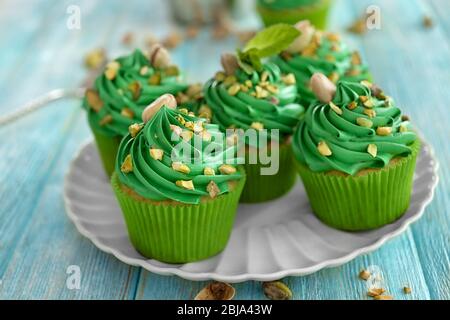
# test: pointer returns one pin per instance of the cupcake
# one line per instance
(177, 184)
(322, 52)
(256, 97)
(291, 11)
(356, 155)
(121, 93)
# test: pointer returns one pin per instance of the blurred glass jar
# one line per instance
(199, 11)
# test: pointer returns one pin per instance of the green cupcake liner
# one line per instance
(317, 15)
(357, 203)
(260, 188)
(107, 148)
(179, 233)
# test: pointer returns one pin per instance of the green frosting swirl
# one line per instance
(157, 179)
(277, 110)
(286, 4)
(327, 55)
(121, 107)
(346, 137)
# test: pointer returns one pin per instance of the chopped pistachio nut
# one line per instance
(334, 37)
(229, 80)
(106, 120)
(95, 58)
(407, 290)
(374, 292)
(366, 84)
(227, 169)
(272, 89)
(143, 70)
(310, 50)
(405, 117)
(213, 189)
(93, 99)
(370, 113)
(180, 119)
(330, 57)
(352, 105)
(155, 79)
(191, 114)
(335, 108)
(364, 275)
(387, 102)
(234, 89)
(324, 149)
(205, 112)
(334, 77)
(110, 74)
(185, 184)
(403, 128)
(363, 98)
(383, 297)
(156, 154)
(111, 70)
(356, 58)
(353, 72)
(180, 167)
(135, 88)
(289, 79)
(189, 125)
(372, 149)
(172, 71)
(187, 135)
(248, 83)
(261, 93)
(427, 21)
(184, 110)
(257, 125)
(384, 131)
(127, 112)
(367, 102)
(244, 88)
(209, 171)
(220, 76)
(127, 164)
(264, 76)
(206, 136)
(134, 129)
(364, 122)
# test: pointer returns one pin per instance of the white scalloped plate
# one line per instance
(269, 241)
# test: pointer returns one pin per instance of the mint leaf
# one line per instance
(249, 60)
(272, 40)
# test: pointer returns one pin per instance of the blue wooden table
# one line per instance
(38, 53)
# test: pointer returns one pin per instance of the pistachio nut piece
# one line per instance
(216, 291)
(167, 100)
(324, 89)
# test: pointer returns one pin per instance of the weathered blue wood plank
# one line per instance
(412, 63)
(37, 152)
(50, 244)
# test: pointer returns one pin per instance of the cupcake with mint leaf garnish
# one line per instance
(124, 89)
(178, 184)
(254, 96)
(291, 11)
(315, 51)
(356, 155)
